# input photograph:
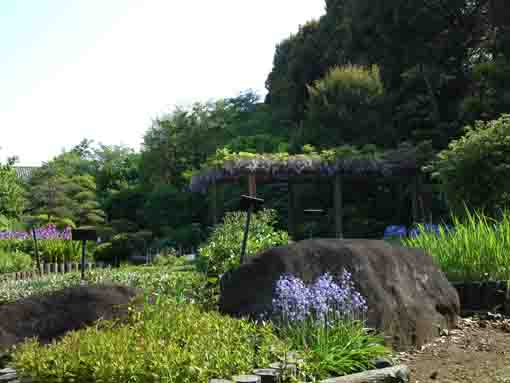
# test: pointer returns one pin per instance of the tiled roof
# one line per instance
(24, 172)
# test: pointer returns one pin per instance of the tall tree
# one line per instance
(343, 108)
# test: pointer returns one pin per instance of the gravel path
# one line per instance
(477, 351)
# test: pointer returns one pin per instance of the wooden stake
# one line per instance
(338, 199)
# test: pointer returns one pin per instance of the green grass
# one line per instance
(340, 347)
(474, 251)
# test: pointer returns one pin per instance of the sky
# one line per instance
(103, 69)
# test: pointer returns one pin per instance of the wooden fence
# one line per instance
(52, 268)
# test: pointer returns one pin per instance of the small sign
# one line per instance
(247, 201)
(84, 235)
(314, 211)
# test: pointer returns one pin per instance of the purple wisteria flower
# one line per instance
(296, 302)
(47, 232)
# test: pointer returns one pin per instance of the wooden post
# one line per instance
(400, 201)
(338, 206)
(252, 185)
(36, 249)
(292, 211)
(414, 199)
(214, 203)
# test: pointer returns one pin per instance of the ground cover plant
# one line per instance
(166, 342)
(184, 285)
(475, 249)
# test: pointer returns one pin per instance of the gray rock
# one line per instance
(408, 296)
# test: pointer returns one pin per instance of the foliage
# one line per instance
(12, 194)
(182, 285)
(343, 107)
(298, 61)
(49, 197)
(86, 209)
(476, 250)
(223, 248)
(319, 321)
(475, 169)
(198, 346)
(12, 262)
(121, 246)
(343, 348)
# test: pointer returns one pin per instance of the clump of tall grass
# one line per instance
(477, 249)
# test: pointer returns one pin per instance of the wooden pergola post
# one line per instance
(252, 185)
(292, 210)
(214, 203)
(338, 208)
(414, 199)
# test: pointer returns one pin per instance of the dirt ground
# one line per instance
(477, 351)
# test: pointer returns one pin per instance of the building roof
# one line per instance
(25, 172)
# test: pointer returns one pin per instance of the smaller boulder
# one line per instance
(52, 315)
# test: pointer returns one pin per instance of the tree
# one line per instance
(49, 197)
(343, 107)
(298, 61)
(86, 209)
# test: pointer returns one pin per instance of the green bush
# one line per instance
(164, 343)
(223, 248)
(475, 169)
(12, 262)
(120, 247)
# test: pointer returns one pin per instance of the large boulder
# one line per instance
(408, 296)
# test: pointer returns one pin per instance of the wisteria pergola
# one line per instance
(400, 166)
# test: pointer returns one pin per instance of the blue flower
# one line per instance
(395, 231)
(296, 302)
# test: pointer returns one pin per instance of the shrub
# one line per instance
(475, 169)
(12, 262)
(223, 248)
(166, 342)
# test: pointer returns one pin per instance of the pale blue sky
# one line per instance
(102, 69)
